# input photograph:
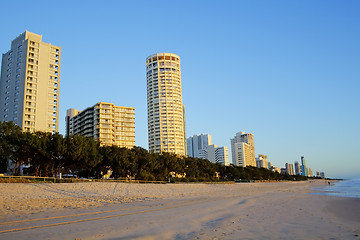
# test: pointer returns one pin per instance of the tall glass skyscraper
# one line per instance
(166, 117)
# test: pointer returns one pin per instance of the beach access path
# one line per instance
(108, 210)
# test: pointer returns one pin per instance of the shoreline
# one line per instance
(280, 210)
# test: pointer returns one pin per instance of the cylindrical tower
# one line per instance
(166, 127)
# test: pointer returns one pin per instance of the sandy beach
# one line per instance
(110, 210)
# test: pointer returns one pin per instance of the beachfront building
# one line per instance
(309, 172)
(197, 144)
(289, 168)
(217, 154)
(320, 175)
(222, 155)
(70, 113)
(297, 168)
(166, 112)
(243, 149)
(303, 167)
(262, 162)
(29, 84)
(111, 125)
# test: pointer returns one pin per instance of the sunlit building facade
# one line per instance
(289, 168)
(262, 162)
(30, 84)
(222, 155)
(297, 168)
(111, 125)
(166, 114)
(243, 149)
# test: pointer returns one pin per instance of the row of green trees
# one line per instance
(51, 154)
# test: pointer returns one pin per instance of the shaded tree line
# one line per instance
(51, 154)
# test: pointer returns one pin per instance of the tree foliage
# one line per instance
(51, 154)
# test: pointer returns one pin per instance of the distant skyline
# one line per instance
(286, 71)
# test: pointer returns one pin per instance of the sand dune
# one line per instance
(175, 211)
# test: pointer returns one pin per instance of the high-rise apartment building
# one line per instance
(216, 154)
(30, 84)
(262, 162)
(243, 149)
(110, 124)
(320, 175)
(222, 155)
(289, 168)
(200, 146)
(297, 168)
(196, 145)
(166, 114)
(304, 168)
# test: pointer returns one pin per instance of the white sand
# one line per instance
(175, 211)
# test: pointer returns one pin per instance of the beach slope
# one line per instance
(108, 210)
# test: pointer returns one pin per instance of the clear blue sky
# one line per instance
(286, 71)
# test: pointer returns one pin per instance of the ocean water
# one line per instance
(344, 188)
